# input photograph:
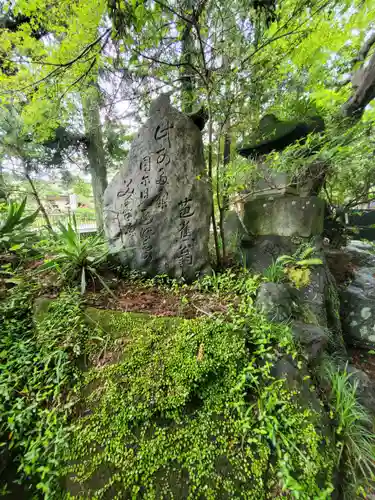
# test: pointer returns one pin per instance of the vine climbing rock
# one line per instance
(157, 208)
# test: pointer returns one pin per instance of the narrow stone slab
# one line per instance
(157, 208)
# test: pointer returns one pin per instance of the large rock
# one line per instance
(361, 253)
(312, 338)
(320, 301)
(260, 252)
(277, 301)
(157, 208)
(358, 299)
(285, 216)
(358, 311)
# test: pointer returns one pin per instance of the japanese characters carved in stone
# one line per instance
(157, 208)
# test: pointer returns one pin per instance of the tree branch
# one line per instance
(68, 64)
(363, 94)
(365, 49)
(180, 16)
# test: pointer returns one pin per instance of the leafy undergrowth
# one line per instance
(106, 404)
(192, 410)
(38, 371)
(162, 296)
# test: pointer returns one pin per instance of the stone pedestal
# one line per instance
(284, 216)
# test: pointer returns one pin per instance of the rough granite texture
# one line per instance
(358, 299)
(157, 208)
(285, 216)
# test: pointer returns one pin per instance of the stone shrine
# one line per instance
(275, 135)
(276, 207)
(157, 208)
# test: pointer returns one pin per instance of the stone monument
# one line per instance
(275, 209)
(157, 208)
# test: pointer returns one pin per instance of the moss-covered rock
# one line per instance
(192, 409)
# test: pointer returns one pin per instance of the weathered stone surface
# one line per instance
(366, 388)
(259, 253)
(157, 208)
(234, 231)
(276, 301)
(340, 265)
(361, 253)
(298, 380)
(312, 338)
(358, 299)
(285, 216)
(321, 301)
(269, 182)
(358, 311)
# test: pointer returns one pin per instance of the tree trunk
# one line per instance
(224, 205)
(3, 194)
(213, 218)
(95, 148)
(363, 91)
(225, 198)
(38, 200)
(187, 88)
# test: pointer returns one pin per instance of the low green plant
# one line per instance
(297, 267)
(274, 272)
(229, 282)
(163, 281)
(14, 225)
(38, 372)
(354, 432)
(77, 258)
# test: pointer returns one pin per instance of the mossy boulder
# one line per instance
(171, 409)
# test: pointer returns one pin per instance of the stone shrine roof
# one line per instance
(275, 135)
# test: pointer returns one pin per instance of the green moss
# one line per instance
(125, 324)
(178, 416)
(308, 315)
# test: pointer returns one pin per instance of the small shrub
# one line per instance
(77, 258)
(354, 432)
(13, 226)
(297, 266)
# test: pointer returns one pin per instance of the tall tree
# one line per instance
(95, 148)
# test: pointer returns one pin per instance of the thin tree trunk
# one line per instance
(224, 205)
(38, 200)
(213, 218)
(363, 91)
(3, 194)
(225, 198)
(187, 88)
(95, 148)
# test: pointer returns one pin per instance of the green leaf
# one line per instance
(310, 262)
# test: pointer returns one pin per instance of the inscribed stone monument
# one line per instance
(157, 208)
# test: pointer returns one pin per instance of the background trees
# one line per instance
(81, 76)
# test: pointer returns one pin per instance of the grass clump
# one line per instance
(77, 258)
(354, 431)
